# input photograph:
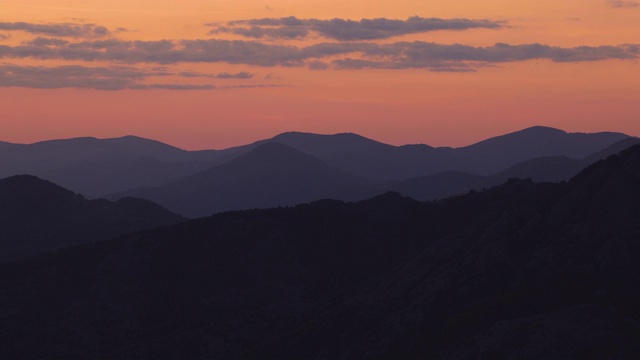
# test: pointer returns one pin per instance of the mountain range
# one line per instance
(96, 167)
(542, 169)
(101, 167)
(270, 174)
(522, 270)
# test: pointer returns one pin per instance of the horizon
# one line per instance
(310, 133)
(201, 75)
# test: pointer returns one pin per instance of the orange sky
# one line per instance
(406, 102)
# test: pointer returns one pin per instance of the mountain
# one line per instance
(377, 161)
(522, 270)
(324, 146)
(438, 186)
(96, 167)
(5, 145)
(361, 156)
(498, 153)
(543, 169)
(264, 177)
(270, 175)
(38, 216)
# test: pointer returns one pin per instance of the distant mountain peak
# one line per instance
(542, 129)
(74, 140)
(295, 136)
(26, 185)
(131, 137)
(323, 146)
(23, 191)
(302, 133)
(134, 139)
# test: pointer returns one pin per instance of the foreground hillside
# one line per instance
(38, 216)
(522, 270)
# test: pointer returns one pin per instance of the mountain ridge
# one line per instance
(272, 174)
(516, 271)
(37, 216)
(98, 167)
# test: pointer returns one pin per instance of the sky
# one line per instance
(209, 74)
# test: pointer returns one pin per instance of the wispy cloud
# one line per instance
(438, 57)
(623, 3)
(100, 78)
(345, 29)
(343, 55)
(239, 75)
(57, 29)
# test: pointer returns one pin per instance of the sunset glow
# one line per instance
(211, 74)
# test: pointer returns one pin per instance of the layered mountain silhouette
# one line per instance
(543, 169)
(497, 153)
(274, 174)
(95, 167)
(38, 216)
(270, 175)
(370, 159)
(522, 270)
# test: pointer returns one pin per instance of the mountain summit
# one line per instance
(272, 174)
(498, 153)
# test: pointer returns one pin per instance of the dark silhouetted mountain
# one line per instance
(377, 161)
(554, 168)
(438, 186)
(498, 153)
(270, 175)
(327, 146)
(522, 270)
(611, 150)
(5, 145)
(543, 169)
(364, 157)
(96, 167)
(38, 216)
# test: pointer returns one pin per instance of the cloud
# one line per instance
(253, 86)
(59, 29)
(239, 75)
(100, 78)
(258, 32)
(459, 58)
(171, 87)
(344, 55)
(5, 37)
(317, 65)
(623, 3)
(42, 42)
(345, 29)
